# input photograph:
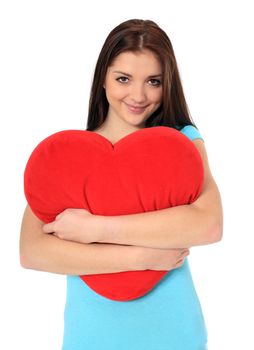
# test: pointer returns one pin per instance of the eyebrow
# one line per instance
(129, 75)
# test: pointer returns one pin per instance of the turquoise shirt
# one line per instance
(169, 317)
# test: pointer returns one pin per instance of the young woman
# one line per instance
(136, 85)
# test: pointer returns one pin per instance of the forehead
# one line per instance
(144, 61)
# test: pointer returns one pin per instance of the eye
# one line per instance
(123, 80)
(155, 82)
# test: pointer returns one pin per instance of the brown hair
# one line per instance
(135, 35)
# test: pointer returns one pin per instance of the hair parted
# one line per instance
(136, 35)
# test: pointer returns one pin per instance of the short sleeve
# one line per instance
(191, 132)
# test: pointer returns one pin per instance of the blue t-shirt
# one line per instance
(169, 317)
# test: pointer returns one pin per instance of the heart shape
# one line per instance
(150, 169)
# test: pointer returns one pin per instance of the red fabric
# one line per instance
(149, 169)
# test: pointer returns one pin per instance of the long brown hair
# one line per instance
(135, 35)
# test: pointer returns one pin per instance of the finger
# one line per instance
(48, 228)
(184, 253)
(179, 263)
(58, 216)
(181, 255)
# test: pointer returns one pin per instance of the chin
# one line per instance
(136, 122)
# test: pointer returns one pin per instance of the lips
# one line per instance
(136, 109)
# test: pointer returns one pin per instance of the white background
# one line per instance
(48, 53)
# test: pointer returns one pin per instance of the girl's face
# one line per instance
(133, 87)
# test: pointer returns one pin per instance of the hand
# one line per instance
(77, 225)
(163, 259)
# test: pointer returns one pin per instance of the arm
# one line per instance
(198, 223)
(45, 252)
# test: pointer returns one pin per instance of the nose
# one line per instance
(138, 94)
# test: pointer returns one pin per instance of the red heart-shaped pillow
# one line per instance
(150, 169)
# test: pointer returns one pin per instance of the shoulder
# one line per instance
(209, 198)
(195, 136)
(191, 132)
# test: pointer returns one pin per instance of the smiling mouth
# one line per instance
(136, 109)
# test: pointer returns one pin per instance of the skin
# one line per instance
(133, 86)
(134, 91)
(133, 95)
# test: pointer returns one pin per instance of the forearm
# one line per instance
(184, 226)
(177, 227)
(52, 254)
(45, 252)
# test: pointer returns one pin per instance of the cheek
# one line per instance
(115, 96)
(114, 92)
(157, 97)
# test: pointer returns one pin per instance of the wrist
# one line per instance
(140, 259)
(105, 228)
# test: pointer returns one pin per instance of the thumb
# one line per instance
(58, 216)
(47, 228)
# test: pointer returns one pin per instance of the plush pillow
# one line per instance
(150, 169)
